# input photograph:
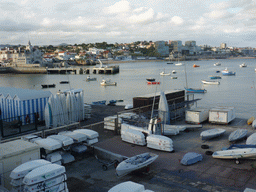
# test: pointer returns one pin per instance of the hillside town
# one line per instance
(87, 54)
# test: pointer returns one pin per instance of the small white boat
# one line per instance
(108, 83)
(64, 140)
(133, 136)
(128, 186)
(217, 64)
(25, 168)
(238, 153)
(48, 144)
(89, 78)
(135, 163)
(251, 140)
(210, 82)
(237, 134)
(160, 142)
(179, 64)
(243, 65)
(77, 137)
(212, 133)
(163, 73)
(173, 71)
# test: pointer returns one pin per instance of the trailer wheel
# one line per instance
(205, 146)
(105, 167)
(208, 152)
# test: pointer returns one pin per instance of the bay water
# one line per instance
(235, 91)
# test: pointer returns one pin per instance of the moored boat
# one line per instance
(163, 73)
(214, 77)
(103, 102)
(195, 90)
(228, 73)
(153, 82)
(196, 65)
(64, 82)
(48, 86)
(217, 64)
(107, 83)
(243, 65)
(134, 163)
(173, 71)
(89, 78)
(150, 79)
(210, 82)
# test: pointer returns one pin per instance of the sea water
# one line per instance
(235, 91)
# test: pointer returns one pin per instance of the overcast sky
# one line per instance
(51, 22)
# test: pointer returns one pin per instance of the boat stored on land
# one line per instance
(238, 134)
(238, 153)
(251, 140)
(212, 133)
(191, 158)
(135, 163)
(210, 82)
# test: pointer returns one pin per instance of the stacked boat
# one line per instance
(133, 136)
(160, 142)
(39, 175)
(92, 136)
(129, 186)
(64, 108)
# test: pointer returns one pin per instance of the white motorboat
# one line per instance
(212, 133)
(107, 83)
(238, 153)
(89, 78)
(179, 64)
(243, 65)
(163, 73)
(210, 82)
(217, 64)
(135, 163)
(237, 134)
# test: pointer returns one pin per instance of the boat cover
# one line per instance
(77, 137)
(53, 157)
(92, 141)
(211, 133)
(43, 173)
(191, 158)
(237, 134)
(79, 148)
(49, 144)
(254, 124)
(251, 140)
(159, 139)
(89, 133)
(64, 140)
(25, 168)
(128, 186)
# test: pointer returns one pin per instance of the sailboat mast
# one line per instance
(186, 75)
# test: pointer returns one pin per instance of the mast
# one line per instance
(186, 75)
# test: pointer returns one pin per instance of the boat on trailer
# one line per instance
(135, 163)
(238, 153)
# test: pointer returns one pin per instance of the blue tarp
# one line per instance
(191, 158)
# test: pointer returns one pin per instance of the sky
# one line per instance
(52, 22)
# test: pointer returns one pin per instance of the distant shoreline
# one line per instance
(161, 60)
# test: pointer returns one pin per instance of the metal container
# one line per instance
(197, 115)
(222, 115)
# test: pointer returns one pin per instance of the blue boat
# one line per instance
(214, 77)
(112, 102)
(228, 73)
(195, 90)
(99, 102)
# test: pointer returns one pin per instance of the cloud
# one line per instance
(176, 20)
(119, 7)
(218, 14)
(9, 25)
(145, 17)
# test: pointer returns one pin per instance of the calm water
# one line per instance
(237, 91)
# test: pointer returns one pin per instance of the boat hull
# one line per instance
(192, 90)
(212, 133)
(210, 82)
(153, 82)
(245, 153)
(135, 163)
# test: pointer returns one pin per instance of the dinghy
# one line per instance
(212, 133)
(92, 136)
(191, 158)
(48, 144)
(159, 142)
(135, 163)
(251, 140)
(238, 153)
(25, 168)
(133, 136)
(43, 173)
(77, 137)
(237, 134)
(62, 139)
(128, 186)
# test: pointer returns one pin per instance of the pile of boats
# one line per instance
(129, 186)
(59, 148)
(39, 175)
